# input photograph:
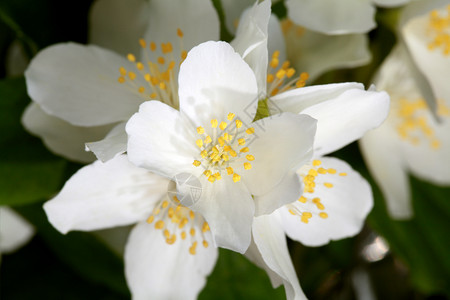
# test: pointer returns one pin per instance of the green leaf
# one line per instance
(83, 252)
(28, 172)
(235, 277)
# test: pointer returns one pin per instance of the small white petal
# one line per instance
(214, 81)
(14, 230)
(333, 17)
(118, 25)
(61, 137)
(233, 10)
(271, 242)
(341, 195)
(103, 195)
(79, 84)
(157, 270)
(114, 143)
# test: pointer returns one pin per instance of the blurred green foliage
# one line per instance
(80, 266)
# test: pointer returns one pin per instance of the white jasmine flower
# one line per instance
(14, 230)
(244, 168)
(335, 199)
(82, 92)
(170, 245)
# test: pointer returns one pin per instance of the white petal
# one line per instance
(114, 143)
(287, 191)
(118, 25)
(385, 160)
(61, 137)
(315, 53)
(14, 230)
(251, 41)
(281, 143)
(160, 140)
(434, 64)
(157, 270)
(346, 118)
(79, 84)
(271, 242)
(103, 195)
(346, 204)
(196, 18)
(228, 208)
(233, 10)
(214, 80)
(276, 39)
(333, 17)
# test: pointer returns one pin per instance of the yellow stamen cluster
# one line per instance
(154, 80)
(414, 122)
(175, 220)
(439, 29)
(309, 181)
(220, 150)
(281, 78)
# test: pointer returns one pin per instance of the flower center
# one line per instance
(224, 148)
(179, 222)
(280, 78)
(414, 121)
(439, 30)
(308, 205)
(159, 76)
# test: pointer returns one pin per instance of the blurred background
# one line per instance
(387, 260)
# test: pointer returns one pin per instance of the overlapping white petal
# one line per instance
(345, 198)
(103, 195)
(115, 142)
(61, 137)
(156, 270)
(15, 231)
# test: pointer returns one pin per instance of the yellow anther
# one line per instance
(192, 231)
(250, 157)
(343, 174)
(183, 54)
(305, 217)
(247, 166)
(292, 212)
(276, 54)
(211, 179)
(270, 78)
(217, 176)
(230, 116)
(140, 66)
(316, 200)
(162, 85)
(205, 227)
(223, 125)
(274, 92)
(207, 173)
(152, 46)
(238, 123)
(171, 240)
(321, 171)
(225, 157)
(221, 141)
(328, 185)
(290, 72)
(150, 219)
(165, 204)
(171, 65)
(208, 139)
(147, 77)
(274, 62)
(323, 215)
(170, 212)
(197, 163)
(180, 33)
(204, 153)
(161, 60)
(250, 130)
(316, 162)
(233, 153)
(199, 143)
(205, 244)
(230, 170)
(156, 211)
(200, 130)
(166, 233)
(141, 89)
(236, 177)
(131, 57)
(286, 65)
(241, 142)
(280, 74)
(332, 171)
(122, 71)
(166, 48)
(183, 235)
(214, 123)
(304, 76)
(132, 75)
(153, 95)
(142, 43)
(191, 214)
(183, 223)
(312, 172)
(121, 79)
(159, 224)
(302, 199)
(244, 150)
(227, 148)
(227, 136)
(192, 249)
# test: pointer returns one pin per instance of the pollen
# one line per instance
(159, 224)
(230, 116)
(247, 166)
(223, 125)
(200, 130)
(236, 177)
(328, 185)
(196, 163)
(250, 130)
(131, 57)
(250, 157)
(439, 31)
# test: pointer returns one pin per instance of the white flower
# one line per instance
(409, 141)
(337, 17)
(82, 92)
(169, 252)
(14, 230)
(240, 164)
(307, 50)
(335, 199)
